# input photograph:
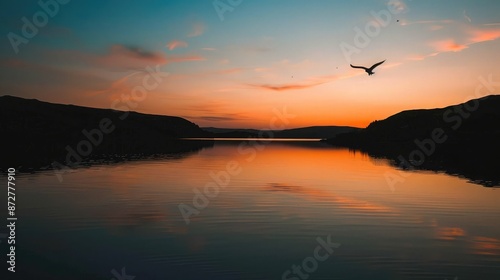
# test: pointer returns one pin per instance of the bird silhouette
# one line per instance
(369, 70)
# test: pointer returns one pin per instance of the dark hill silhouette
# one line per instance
(312, 132)
(471, 148)
(231, 132)
(320, 132)
(36, 133)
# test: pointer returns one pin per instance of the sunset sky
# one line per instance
(230, 63)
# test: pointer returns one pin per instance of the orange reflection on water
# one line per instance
(327, 196)
(486, 246)
(323, 176)
(449, 233)
(317, 166)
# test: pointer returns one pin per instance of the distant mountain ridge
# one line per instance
(37, 132)
(462, 138)
(311, 132)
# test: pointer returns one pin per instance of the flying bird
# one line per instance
(369, 70)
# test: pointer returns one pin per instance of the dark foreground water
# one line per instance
(288, 210)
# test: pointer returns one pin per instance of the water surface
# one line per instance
(268, 218)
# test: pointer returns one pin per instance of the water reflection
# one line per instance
(486, 245)
(335, 200)
(107, 216)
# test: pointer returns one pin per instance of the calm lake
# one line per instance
(290, 210)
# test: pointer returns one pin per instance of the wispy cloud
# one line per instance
(311, 82)
(470, 36)
(433, 22)
(198, 29)
(120, 57)
(398, 5)
(483, 35)
(285, 87)
(448, 45)
(172, 45)
(467, 17)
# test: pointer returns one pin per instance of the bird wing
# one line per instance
(376, 64)
(360, 67)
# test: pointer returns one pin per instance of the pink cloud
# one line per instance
(473, 36)
(448, 45)
(479, 35)
(285, 87)
(176, 44)
(118, 57)
(121, 57)
(470, 36)
(311, 82)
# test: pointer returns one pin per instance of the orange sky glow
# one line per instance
(234, 70)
